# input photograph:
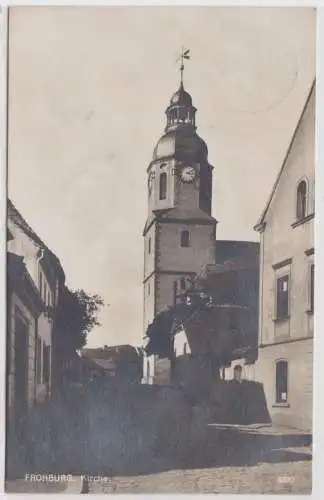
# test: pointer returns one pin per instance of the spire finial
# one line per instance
(185, 54)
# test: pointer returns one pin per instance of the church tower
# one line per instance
(180, 232)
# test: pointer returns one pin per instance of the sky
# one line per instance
(88, 88)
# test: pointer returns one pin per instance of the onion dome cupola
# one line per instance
(180, 112)
(180, 139)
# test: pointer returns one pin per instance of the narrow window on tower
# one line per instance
(163, 186)
(184, 239)
(149, 245)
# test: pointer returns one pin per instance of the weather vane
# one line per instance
(185, 54)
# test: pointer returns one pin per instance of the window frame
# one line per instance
(300, 216)
(163, 187)
(278, 399)
(185, 243)
(279, 276)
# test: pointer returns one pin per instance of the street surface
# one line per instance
(236, 459)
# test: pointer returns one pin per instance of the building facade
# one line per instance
(180, 232)
(35, 278)
(286, 323)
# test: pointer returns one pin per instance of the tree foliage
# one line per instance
(160, 331)
(165, 324)
(76, 315)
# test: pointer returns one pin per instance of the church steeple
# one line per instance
(179, 233)
(181, 111)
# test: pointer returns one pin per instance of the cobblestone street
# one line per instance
(257, 461)
(263, 478)
(275, 469)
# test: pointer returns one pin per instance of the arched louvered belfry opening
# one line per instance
(163, 186)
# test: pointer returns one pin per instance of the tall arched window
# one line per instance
(281, 382)
(301, 200)
(163, 186)
(184, 239)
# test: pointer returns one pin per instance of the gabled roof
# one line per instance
(15, 216)
(259, 225)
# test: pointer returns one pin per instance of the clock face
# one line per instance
(188, 174)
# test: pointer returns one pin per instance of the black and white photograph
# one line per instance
(160, 251)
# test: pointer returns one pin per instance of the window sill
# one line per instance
(281, 405)
(281, 320)
(303, 221)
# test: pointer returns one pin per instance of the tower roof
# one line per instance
(181, 97)
(182, 144)
(180, 140)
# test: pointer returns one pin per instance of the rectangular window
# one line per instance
(184, 239)
(281, 382)
(46, 363)
(163, 186)
(149, 245)
(149, 289)
(38, 360)
(282, 297)
(312, 270)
